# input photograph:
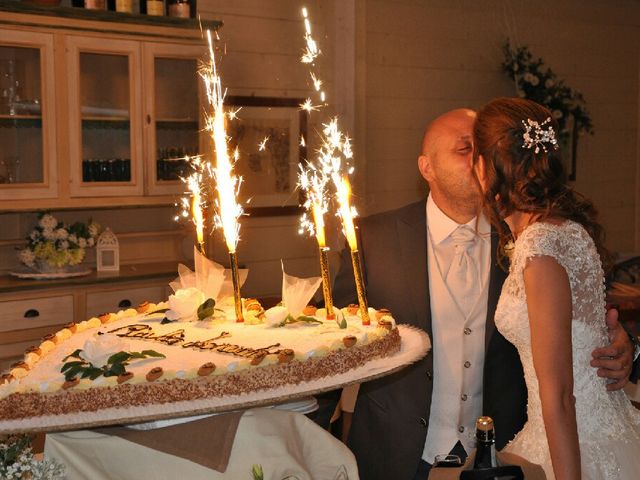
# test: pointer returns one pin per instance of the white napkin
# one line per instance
(210, 278)
(296, 292)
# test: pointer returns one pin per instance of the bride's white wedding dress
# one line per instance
(608, 425)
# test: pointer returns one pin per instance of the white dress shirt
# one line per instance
(458, 340)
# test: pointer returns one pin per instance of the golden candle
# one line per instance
(360, 289)
(235, 278)
(326, 282)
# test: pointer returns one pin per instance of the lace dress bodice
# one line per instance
(603, 418)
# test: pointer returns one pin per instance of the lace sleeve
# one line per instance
(542, 239)
(539, 239)
(570, 245)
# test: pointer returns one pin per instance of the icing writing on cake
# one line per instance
(146, 332)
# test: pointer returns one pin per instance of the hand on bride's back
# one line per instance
(614, 361)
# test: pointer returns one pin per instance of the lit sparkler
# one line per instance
(262, 146)
(192, 205)
(227, 184)
(332, 164)
(193, 182)
(308, 106)
(313, 182)
(347, 212)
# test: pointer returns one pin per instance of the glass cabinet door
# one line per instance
(27, 126)
(173, 106)
(104, 109)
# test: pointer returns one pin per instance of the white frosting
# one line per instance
(305, 339)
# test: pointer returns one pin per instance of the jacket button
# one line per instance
(423, 422)
(429, 375)
(464, 397)
(461, 429)
(467, 364)
(467, 331)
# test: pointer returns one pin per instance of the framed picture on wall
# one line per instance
(268, 132)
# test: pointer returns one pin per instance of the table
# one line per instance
(284, 444)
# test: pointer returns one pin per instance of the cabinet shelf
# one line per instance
(177, 124)
(105, 122)
(107, 16)
(25, 121)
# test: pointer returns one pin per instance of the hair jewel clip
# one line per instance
(536, 136)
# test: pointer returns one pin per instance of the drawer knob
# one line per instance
(31, 313)
(126, 303)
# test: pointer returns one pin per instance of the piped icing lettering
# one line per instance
(146, 332)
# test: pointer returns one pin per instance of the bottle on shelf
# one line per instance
(486, 448)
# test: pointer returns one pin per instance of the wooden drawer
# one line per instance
(14, 352)
(112, 301)
(35, 312)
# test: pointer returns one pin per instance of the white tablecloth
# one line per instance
(283, 443)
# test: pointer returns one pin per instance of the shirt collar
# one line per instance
(441, 226)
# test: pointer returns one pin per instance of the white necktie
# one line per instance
(463, 276)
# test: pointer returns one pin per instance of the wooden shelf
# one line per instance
(106, 16)
(127, 273)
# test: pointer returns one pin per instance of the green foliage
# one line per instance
(116, 364)
(535, 81)
(302, 318)
(256, 471)
(206, 309)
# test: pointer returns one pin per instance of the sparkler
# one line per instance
(314, 182)
(343, 191)
(193, 183)
(192, 205)
(227, 184)
(332, 164)
(263, 144)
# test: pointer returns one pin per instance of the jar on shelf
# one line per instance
(124, 6)
(95, 4)
(179, 8)
(154, 7)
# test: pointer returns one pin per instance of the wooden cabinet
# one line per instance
(91, 110)
(31, 309)
(28, 168)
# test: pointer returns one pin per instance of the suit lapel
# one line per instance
(496, 279)
(412, 242)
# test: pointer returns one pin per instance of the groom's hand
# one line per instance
(614, 361)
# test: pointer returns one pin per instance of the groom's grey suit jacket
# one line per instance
(391, 417)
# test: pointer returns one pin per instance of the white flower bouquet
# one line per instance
(17, 461)
(54, 245)
(535, 81)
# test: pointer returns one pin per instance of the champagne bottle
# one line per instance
(486, 449)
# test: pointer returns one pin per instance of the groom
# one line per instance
(425, 263)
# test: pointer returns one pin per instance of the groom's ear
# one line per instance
(424, 166)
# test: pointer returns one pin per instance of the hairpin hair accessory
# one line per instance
(535, 135)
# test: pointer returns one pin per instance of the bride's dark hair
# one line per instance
(518, 178)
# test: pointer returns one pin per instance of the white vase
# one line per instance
(43, 266)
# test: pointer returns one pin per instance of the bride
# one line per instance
(552, 303)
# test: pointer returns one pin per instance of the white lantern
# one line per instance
(108, 251)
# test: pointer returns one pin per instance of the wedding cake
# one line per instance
(138, 357)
